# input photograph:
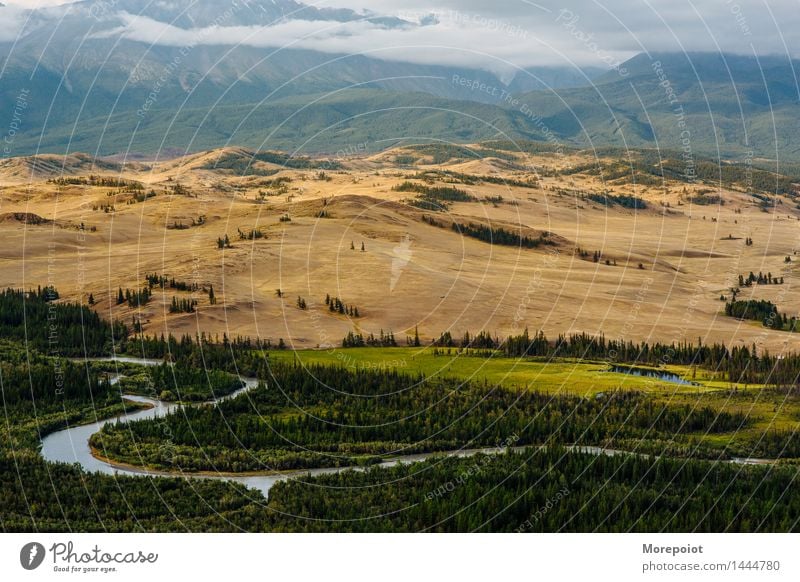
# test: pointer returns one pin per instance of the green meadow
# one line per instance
(560, 376)
(766, 408)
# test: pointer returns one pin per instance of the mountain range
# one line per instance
(88, 77)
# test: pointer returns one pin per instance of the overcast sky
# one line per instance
(504, 34)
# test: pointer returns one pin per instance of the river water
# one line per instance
(71, 445)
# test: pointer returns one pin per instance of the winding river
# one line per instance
(71, 445)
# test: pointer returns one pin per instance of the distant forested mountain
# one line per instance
(72, 78)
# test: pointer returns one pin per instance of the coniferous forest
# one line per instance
(373, 413)
(615, 461)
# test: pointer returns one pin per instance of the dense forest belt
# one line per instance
(63, 329)
(544, 491)
(525, 491)
(55, 497)
(324, 416)
(42, 395)
(740, 364)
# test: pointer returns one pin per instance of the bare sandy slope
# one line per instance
(410, 273)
